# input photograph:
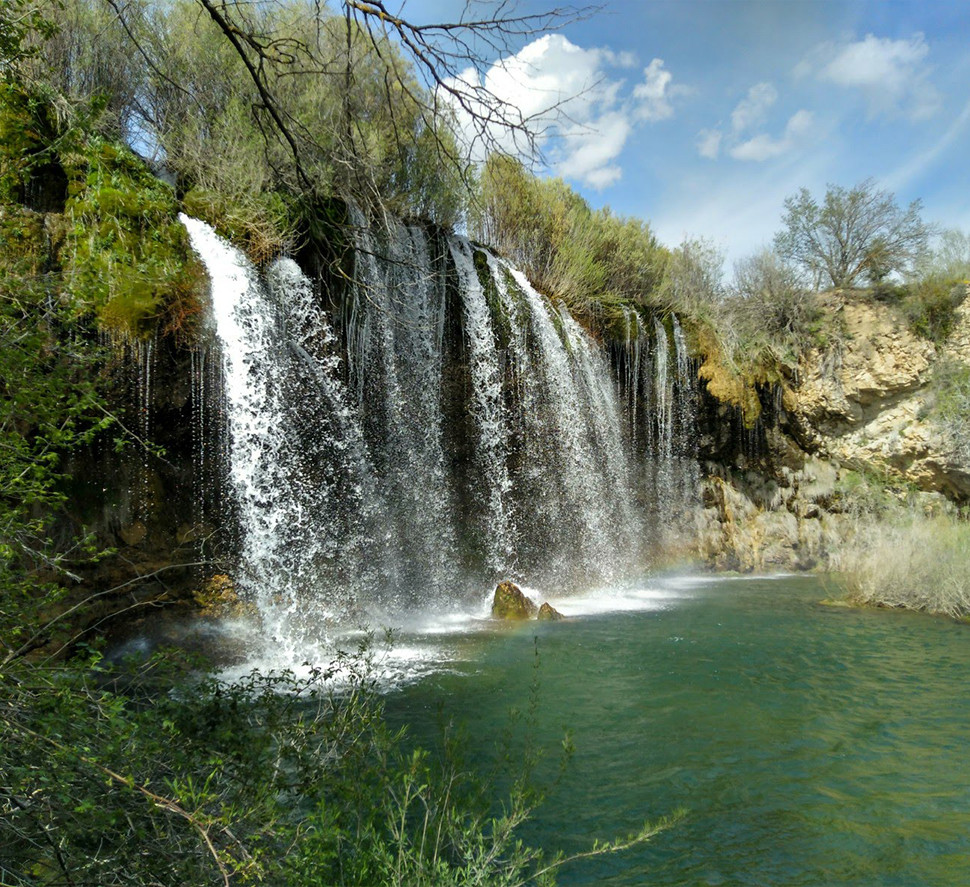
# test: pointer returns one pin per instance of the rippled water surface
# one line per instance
(810, 745)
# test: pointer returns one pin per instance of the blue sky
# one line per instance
(701, 116)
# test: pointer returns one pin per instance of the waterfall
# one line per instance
(295, 460)
(395, 325)
(574, 469)
(685, 453)
(442, 425)
(487, 407)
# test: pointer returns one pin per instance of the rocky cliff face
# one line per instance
(858, 431)
(867, 402)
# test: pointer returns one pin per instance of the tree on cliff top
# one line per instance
(341, 98)
(857, 233)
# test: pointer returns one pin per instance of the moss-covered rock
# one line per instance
(511, 603)
(548, 613)
(126, 256)
(217, 597)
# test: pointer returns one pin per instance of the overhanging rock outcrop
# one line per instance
(867, 401)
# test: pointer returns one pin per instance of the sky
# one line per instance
(702, 116)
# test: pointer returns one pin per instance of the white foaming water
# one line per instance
(395, 342)
(297, 478)
(488, 408)
(574, 426)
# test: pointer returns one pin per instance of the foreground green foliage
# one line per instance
(124, 778)
(49, 404)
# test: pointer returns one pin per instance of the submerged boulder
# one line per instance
(510, 602)
(548, 613)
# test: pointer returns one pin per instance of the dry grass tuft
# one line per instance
(921, 563)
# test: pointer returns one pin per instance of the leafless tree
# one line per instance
(425, 67)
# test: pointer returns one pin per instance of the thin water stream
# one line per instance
(809, 745)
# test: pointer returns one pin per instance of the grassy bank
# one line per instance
(916, 562)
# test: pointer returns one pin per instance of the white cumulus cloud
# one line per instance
(752, 110)
(654, 93)
(743, 141)
(764, 147)
(580, 115)
(892, 75)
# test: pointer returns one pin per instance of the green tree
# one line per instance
(692, 281)
(949, 259)
(855, 234)
(20, 20)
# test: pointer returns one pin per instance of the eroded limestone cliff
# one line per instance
(859, 429)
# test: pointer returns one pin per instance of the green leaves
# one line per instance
(127, 256)
(591, 260)
(855, 234)
(275, 778)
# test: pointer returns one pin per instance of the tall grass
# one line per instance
(920, 563)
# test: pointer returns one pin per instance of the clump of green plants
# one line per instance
(949, 404)
(262, 224)
(273, 779)
(930, 307)
(594, 261)
(868, 495)
(126, 255)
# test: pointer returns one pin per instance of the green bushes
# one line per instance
(360, 126)
(123, 254)
(593, 260)
(949, 403)
(770, 310)
(124, 778)
(930, 307)
(126, 255)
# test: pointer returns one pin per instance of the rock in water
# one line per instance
(548, 613)
(511, 603)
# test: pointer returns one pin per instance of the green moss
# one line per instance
(516, 296)
(24, 248)
(26, 132)
(262, 225)
(126, 255)
(501, 322)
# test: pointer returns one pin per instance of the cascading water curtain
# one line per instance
(447, 427)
